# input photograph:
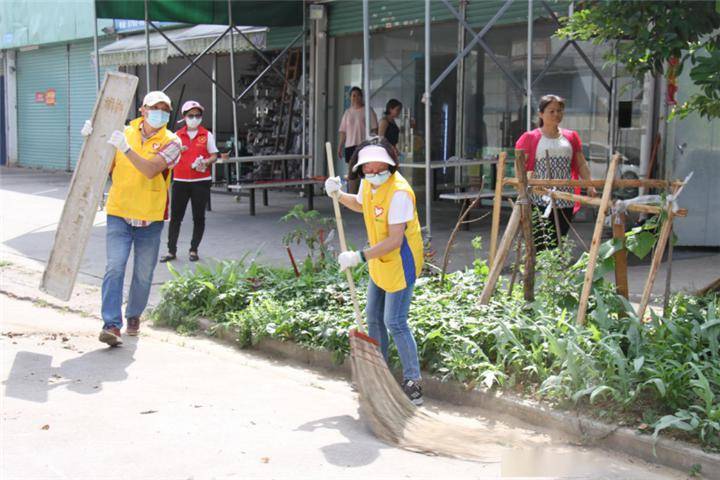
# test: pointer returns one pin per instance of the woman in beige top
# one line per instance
(352, 132)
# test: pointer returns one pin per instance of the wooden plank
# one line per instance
(655, 264)
(87, 185)
(618, 183)
(595, 245)
(497, 205)
(526, 227)
(621, 274)
(502, 253)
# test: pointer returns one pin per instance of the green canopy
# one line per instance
(269, 13)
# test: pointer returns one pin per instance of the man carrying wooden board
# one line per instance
(136, 210)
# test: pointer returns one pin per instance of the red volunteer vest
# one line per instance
(194, 148)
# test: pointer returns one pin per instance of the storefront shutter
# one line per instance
(42, 128)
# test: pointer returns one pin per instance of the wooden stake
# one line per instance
(621, 274)
(655, 264)
(634, 207)
(497, 205)
(595, 244)
(618, 183)
(502, 253)
(526, 225)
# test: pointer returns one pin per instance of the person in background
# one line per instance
(395, 255)
(388, 128)
(352, 132)
(192, 179)
(145, 153)
(553, 153)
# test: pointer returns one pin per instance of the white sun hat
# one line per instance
(153, 98)
(373, 153)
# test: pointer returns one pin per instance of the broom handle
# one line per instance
(343, 243)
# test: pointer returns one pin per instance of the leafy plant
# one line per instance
(314, 232)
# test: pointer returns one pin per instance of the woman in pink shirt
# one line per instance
(352, 132)
(553, 153)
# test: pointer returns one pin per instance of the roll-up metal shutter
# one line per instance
(42, 127)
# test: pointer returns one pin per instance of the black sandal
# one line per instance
(167, 258)
(194, 257)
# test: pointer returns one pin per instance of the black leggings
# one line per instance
(198, 193)
(544, 228)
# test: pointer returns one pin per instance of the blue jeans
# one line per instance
(120, 238)
(389, 311)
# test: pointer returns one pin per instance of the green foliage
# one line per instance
(310, 232)
(648, 34)
(665, 373)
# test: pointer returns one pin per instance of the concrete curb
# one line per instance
(675, 454)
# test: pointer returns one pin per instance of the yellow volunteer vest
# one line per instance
(132, 194)
(399, 268)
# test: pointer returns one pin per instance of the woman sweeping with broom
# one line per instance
(395, 255)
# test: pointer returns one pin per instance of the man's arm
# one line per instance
(150, 168)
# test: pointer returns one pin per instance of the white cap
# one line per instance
(373, 153)
(189, 105)
(153, 98)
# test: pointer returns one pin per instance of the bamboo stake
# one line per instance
(516, 267)
(595, 244)
(526, 225)
(634, 207)
(497, 205)
(502, 253)
(621, 274)
(655, 264)
(618, 183)
(343, 243)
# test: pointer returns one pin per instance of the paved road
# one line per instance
(170, 407)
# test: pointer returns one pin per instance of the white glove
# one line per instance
(200, 164)
(349, 259)
(87, 129)
(118, 140)
(332, 187)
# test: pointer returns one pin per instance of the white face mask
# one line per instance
(377, 179)
(192, 123)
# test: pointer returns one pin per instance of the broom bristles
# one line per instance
(394, 419)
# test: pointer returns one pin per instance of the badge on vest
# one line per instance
(202, 139)
(156, 146)
(378, 211)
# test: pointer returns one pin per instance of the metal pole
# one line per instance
(232, 83)
(460, 97)
(68, 166)
(214, 108)
(147, 48)
(528, 123)
(613, 109)
(428, 171)
(97, 50)
(304, 91)
(366, 64)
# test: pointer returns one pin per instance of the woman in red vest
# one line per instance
(191, 179)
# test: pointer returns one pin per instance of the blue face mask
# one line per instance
(377, 179)
(158, 118)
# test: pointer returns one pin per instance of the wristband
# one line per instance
(362, 256)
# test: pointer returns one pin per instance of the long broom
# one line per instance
(385, 407)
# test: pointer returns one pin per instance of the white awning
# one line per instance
(192, 40)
